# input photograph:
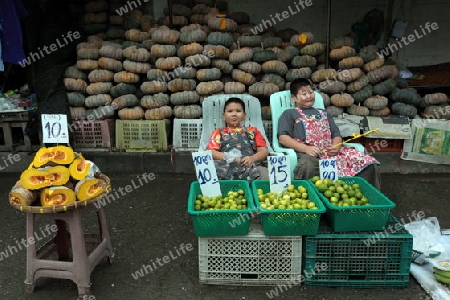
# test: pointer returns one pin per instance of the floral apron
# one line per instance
(244, 141)
(349, 160)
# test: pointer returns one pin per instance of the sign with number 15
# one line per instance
(279, 173)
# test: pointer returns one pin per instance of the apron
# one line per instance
(244, 141)
(349, 160)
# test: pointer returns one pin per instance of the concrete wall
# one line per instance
(432, 48)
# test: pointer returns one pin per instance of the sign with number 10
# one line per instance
(279, 173)
(206, 173)
(54, 129)
(328, 168)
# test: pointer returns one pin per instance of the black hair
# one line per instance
(299, 83)
(234, 100)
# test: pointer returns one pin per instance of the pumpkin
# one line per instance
(163, 50)
(351, 62)
(77, 113)
(342, 100)
(168, 37)
(222, 24)
(293, 74)
(334, 111)
(187, 111)
(190, 27)
(126, 77)
(198, 60)
(87, 45)
(128, 44)
(264, 55)
(122, 89)
(332, 87)
(75, 99)
(385, 87)
(380, 74)
(185, 97)
(313, 49)
(376, 102)
(358, 110)
(154, 101)
(146, 22)
(115, 33)
(86, 53)
(274, 78)
(234, 87)
(125, 101)
(193, 36)
(403, 109)
(434, 99)
(97, 100)
(202, 9)
(77, 85)
(79, 168)
(184, 72)
(373, 64)
(155, 74)
(136, 67)
(168, 63)
(99, 88)
(288, 53)
(362, 94)
(303, 61)
(87, 64)
(302, 39)
(250, 67)
(100, 76)
(136, 35)
(58, 195)
(341, 41)
(131, 113)
(368, 53)
(198, 19)
(274, 66)
(392, 70)
(96, 6)
(159, 113)
(341, 53)
(35, 179)
(380, 112)
(272, 41)
(100, 113)
(73, 72)
(244, 77)
(210, 87)
(110, 64)
(62, 155)
(326, 99)
(321, 75)
(220, 38)
(90, 188)
(147, 44)
(358, 84)
(136, 54)
(263, 89)
(240, 55)
(190, 49)
(223, 65)
(178, 85)
(208, 74)
(154, 87)
(408, 96)
(20, 195)
(349, 75)
(177, 21)
(437, 112)
(249, 40)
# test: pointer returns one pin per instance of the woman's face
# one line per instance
(305, 97)
(234, 115)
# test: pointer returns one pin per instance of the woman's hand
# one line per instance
(333, 151)
(247, 161)
(313, 151)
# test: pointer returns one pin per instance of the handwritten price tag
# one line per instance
(206, 173)
(279, 173)
(328, 168)
(54, 129)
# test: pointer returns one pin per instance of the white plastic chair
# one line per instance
(281, 101)
(213, 116)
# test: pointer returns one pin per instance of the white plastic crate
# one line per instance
(250, 260)
(268, 129)
(187, 134)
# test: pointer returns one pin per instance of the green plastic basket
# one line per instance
(289, 222)
(358, 218)
(222, 222)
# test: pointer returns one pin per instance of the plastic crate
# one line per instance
(187, 134)
(383, 145)
(267, 124)
(141, 135)
(360, 259)
(250, 260)
(222, 222)
(289, 222)
(359, 218)
(93, 134)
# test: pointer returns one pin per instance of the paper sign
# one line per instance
(205, 171)
(54, 129)
(328, 168)
(279, 173)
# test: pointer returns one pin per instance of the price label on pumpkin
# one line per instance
(54, 129)
(279, 173)
(328, 168)
(206, 173)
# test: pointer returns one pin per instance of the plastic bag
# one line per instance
(230, 156)
(426, 234)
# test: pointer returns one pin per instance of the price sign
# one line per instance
(279, 173)
(54, 129)
(206, 173)
(328, 168)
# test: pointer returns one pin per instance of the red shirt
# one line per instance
(214, 140)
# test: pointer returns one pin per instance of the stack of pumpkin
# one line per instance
(96, 18)
(57, 176)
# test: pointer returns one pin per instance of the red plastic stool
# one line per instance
(79, 270)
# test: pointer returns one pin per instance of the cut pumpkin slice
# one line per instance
(89, 188)
(57, 195)
(21, 195)
(79, 168)
(61, 155)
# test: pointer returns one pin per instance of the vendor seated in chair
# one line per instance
(313, 134)
(237, 151)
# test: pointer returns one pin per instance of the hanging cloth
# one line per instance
(11, 13)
